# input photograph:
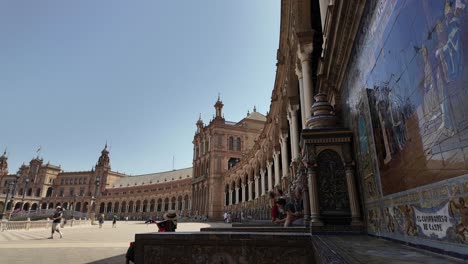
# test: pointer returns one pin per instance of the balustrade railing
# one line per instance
(26, 225)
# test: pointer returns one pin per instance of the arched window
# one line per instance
(159, 205)
(38, 192)
(238, 145)
(124, 207)
(231, 143)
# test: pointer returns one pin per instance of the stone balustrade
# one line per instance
(26, 225)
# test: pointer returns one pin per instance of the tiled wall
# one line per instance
(407, 94)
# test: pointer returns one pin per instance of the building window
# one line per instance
(238, 144)
(81, 191)
(220, 140)
(61, 192)
(62, 181)
(231, 143)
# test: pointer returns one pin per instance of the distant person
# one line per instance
(114, 221)
(295, 209)
(281, 211)
(225, 217)
(126, 219)
(101, 220)
(56, 219)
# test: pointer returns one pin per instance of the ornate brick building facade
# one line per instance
(39, 186)
(218, 147)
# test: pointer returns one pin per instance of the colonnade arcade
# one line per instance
(302, 135)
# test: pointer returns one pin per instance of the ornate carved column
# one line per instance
(301, 92)
(262, 177)
(243, 193)
(304, 52)
(276, 160)
(313, 197)
(257, 187)
(270, 175)
(294, 131)
(284, 154)
(250, 190)
(353, 199)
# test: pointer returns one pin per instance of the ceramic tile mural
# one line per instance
(410, 63)
(407, 95)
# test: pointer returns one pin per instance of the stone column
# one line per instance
(270, 175)
(243, 193)
(262, 178)
(276, 156)
(313, 197)
(284, 154)
(301, 92)
(353, 199)
(303, 53)
(230, 197)
(237, 195)
(257, 186)
(294, 131)
(250, 190)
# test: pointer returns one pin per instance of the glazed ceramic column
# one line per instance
(250, 190)
(276, 160)
(270, 175)
(284, 154)
(353, 200)
(262, 179)
(313, 197)
(301, 92)
(257, 187)
(303, 53)
(294, 130)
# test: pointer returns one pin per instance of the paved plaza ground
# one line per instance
(89, 244)
(82, 244)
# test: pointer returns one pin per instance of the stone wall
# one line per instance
(224, 247)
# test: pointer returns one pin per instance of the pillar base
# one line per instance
(316, 222)
(356, 222)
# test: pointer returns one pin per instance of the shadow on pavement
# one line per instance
(112, 260)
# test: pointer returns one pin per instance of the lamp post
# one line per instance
(94, 199)
(9, 189)
(12, 199)
(74, 205)
(26, 183)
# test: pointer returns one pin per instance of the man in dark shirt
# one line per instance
(56, 219)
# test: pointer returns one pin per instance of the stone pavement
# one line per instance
(89, 244)
(82, 244)
(366, 249)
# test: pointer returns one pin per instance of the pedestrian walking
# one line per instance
(56, 218)
(101, 220)
(114, 221)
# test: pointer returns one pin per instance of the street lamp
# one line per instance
(12, 199)
(94, 198)
(9, 189)
(26, 184)
(74, 206)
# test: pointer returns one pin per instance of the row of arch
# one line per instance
(180, 203)
(20, 205)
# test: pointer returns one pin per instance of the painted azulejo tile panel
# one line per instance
(409, 65)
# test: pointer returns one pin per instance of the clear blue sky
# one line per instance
(74, 74)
